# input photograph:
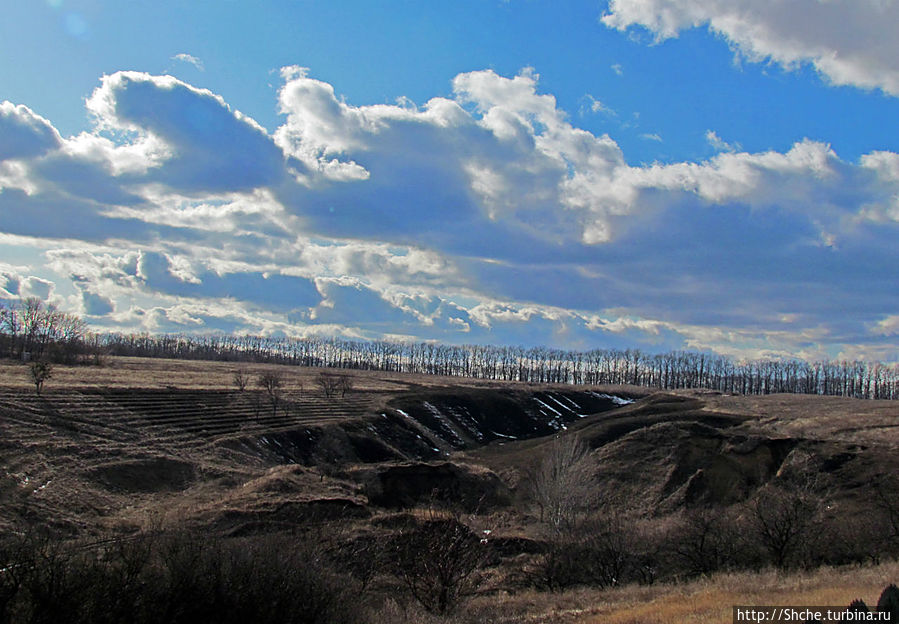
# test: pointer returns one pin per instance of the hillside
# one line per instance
(141, 445)
(103, 446)
(697, 448)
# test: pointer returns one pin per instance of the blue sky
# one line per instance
(664, 174)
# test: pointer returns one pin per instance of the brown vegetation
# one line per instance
(650, 511)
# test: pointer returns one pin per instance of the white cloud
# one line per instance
(203, 144)
(720, 144)
(850, 42)
(888, 326)
(189, 59)
(483, 216)
(36, 287)
(592, 105)
(651, 137)
(24, 134)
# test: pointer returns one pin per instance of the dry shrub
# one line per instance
(439, 561)
(173, 579)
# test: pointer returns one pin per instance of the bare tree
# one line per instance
(241, 378)
(562, 484)
(707, 540)
(344, 385)
(784, 518)
(439, 561)
(328, 383)
(271, 382)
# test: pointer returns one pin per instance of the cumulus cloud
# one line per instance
(486, 215)
(24, 134)
(210, 146)
(36, 287)
(850, 42)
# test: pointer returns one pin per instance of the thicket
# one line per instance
(792, 522)
(174, 579)
(432, 563)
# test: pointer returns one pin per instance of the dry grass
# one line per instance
(711, 600)
(817, 417)
(705, 601)
(131, 372)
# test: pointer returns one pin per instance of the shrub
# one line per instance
(40, 372)
(174, 579)
(439, 561)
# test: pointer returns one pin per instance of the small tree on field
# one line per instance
(241, 378)
(785, 519)
(271, 383)
(344, 384)
(40, 372)
(332, 384)
(706, 540)
(886, 496)
(327, 383)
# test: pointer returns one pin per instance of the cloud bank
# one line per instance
(483, 216)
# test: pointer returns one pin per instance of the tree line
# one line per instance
(33, 330)
(664, 371)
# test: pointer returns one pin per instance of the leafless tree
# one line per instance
(345, 385)
(271, 383)
(886, 497)
(241, 378)
(562, 484)
(706, 540)
(784, 518)
(439, 561)
(328, 383)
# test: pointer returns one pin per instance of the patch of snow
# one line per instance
(617, 400)
(565, 407)
(557, 402)
(500, 435)
(547, 406)
(570, 400)
(446, 425)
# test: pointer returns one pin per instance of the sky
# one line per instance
(714, 175)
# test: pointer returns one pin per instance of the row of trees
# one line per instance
(677, 369)
(33, 330)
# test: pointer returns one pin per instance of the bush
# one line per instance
(439, 561)
(173, 579)
(705, 541)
